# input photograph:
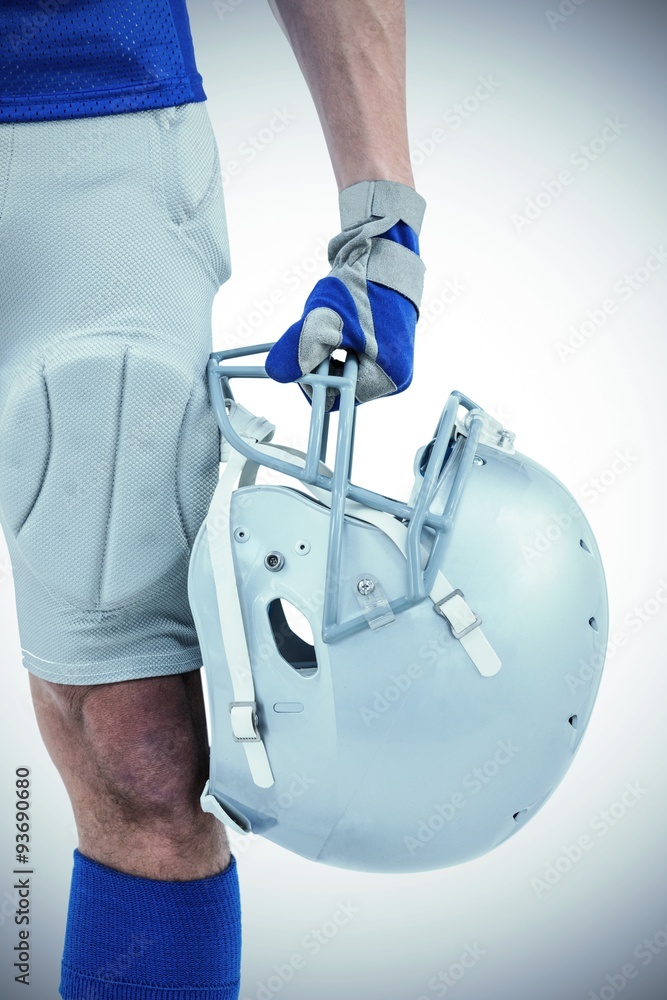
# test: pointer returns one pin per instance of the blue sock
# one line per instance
(131, 938)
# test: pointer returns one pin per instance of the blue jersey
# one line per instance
(77, 58)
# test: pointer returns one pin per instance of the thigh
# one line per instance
(112, 245)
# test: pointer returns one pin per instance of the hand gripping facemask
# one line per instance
(457, 638)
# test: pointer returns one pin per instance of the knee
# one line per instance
(149, 757)
(136, 752)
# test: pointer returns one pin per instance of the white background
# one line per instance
(521, 289)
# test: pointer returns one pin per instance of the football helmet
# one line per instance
(457, 642)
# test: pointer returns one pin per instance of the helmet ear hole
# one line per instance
(293, 636)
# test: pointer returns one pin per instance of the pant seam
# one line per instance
(113, 477)
(48, 456)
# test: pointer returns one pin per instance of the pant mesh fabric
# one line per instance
(113, 243)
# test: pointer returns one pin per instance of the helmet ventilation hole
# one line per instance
(584, 546)
(573, 720)
(293, 637)
(593, 624)
(523, 815)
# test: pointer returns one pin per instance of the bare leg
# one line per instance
(133, 757)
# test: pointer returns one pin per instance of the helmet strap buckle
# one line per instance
(461, 619)
(245, 724)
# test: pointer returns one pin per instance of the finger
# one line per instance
(282, 361)
(321, 334)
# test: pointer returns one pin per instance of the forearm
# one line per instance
(352, 55)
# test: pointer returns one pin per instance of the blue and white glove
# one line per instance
(369, 302)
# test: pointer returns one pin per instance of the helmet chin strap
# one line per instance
(447, 601)
(243, 710)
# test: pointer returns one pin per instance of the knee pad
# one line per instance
(108, 459)
(108, 454)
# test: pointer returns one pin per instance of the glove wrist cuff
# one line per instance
(381, 199)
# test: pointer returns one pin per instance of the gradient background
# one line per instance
(497, 340)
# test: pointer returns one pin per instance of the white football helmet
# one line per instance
(458, 638)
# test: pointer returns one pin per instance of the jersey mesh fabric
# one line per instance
(113, 243)
(66, 59)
